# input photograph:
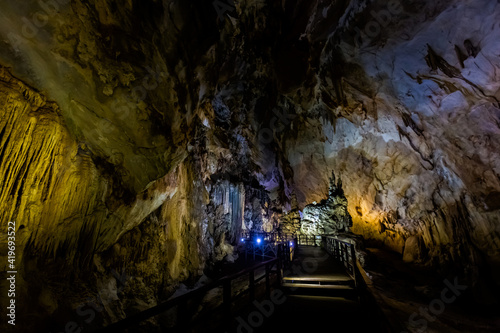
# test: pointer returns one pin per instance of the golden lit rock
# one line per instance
(145, 136)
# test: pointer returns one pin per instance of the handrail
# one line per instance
(313, 240)
(283, 249)
(268, 236)
(344, 252)
(225, 282)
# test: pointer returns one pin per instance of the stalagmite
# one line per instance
(140, 139)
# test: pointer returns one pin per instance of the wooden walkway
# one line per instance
(314, 292)
(314, 268)
(320, 296)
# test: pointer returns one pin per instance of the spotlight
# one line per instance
(243, 239)
(259, 240)
(291, 243)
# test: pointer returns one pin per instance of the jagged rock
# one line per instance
(257, 204)
(122, 123)
(290, 222)
(414, 249)
(330, 216)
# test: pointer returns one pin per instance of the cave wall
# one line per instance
(142, 136)
(330, 216)
(114, 159)
(411, 127)
(406, 114)
(49, 182)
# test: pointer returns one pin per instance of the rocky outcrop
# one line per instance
(403, 133)
(330, 216)
(414, 249)
(143, 136)
(290, 221)
(258, 215)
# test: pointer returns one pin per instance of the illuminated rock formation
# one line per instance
(330, 216)
(290, 221)
(143, 136)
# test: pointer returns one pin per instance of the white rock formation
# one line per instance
(144, 135)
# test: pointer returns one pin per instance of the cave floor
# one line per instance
(400, 289)
(320, 308)
(403, 289)
(309, 308)
(304, 313)
(315, 263)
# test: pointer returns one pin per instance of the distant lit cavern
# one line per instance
(141, 141)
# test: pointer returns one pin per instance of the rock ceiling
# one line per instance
(140, 131)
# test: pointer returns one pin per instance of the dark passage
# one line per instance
(316, 294)
(162, 161)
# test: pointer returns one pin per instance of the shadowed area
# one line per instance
(144, 142)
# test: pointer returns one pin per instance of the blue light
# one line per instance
(243, 239)
(291, 243)
(259, 240)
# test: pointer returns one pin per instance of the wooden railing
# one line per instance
(267, 236)
(285, 251)
(343, 252)
(311, 240)
(260, 245)
(181, 302)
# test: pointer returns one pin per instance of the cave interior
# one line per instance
(140, 139)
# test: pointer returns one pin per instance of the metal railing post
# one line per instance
(182, 314)
(353, 260)
(251, 285)
(226, 297)
(279, 268)
(268, 281)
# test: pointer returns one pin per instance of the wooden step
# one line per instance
(317, 286)
(318, 280)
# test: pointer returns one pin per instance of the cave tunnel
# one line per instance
(250, 166)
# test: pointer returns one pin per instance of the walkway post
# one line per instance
(251, 285)
(268, 284)
(354, 270)
(182, 314)
(279, 267)
(226, 297)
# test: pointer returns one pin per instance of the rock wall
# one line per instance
(330, 216)
(136, 137)
(407, 116)
(114, 161)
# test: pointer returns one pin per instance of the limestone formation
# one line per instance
(414, 249)
(330, 216)
(291, 221)
(143, 136)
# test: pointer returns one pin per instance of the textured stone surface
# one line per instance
(330, 216)
(290, 222)
(414, 249)
(142, 136)
(404, 132)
